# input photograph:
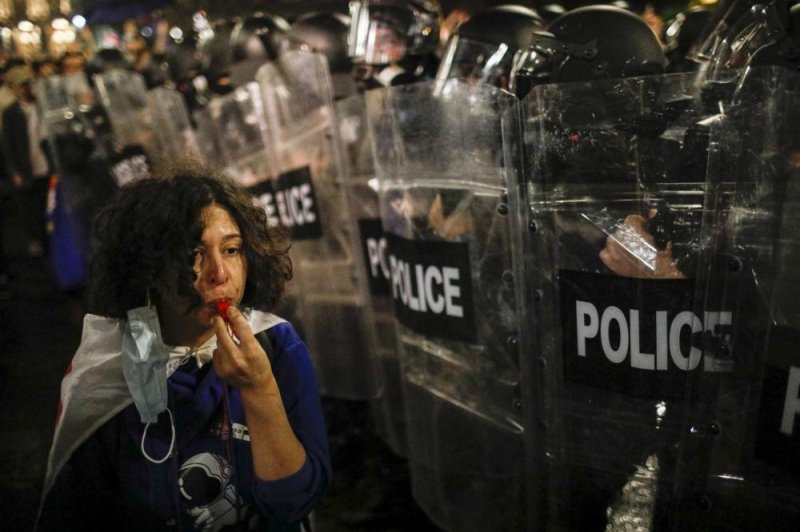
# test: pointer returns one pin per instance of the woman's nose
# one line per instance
(214, 268)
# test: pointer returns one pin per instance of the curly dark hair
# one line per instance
(151, 226)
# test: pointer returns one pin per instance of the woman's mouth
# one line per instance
(222, 306)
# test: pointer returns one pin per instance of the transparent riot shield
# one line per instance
(123, 96)
(243, 135)
(81, 175)
(209, 143)
(173, 135)
(747, 266)
(309, 199)
(361, 184)
(633, 386)
(438, 160)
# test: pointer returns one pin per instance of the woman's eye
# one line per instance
(196, 258)
(232, 251)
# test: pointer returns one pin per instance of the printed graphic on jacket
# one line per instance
(208, 493)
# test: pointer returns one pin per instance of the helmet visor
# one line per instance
(476, 61)
(719, 29)
(737, 50)
(378, 34)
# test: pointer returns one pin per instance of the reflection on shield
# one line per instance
(308, 199)
(365, 222)
(240, 128)
(442, 194)
(640, 222)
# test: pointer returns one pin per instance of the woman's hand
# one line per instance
(242, 364)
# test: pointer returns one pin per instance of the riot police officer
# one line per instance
(393, 42)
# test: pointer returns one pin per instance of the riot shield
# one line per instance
(308, 198)
(747, 265)
(173, 135)
(631, 379)
(365, 221)
(82, 178)
(123, 95)
(241, 128)
(438, 160)
(209, 143)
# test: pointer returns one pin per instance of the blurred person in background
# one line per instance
(24, 156)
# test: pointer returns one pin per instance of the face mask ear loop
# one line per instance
(171, 443)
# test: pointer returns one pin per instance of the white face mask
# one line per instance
(144, 360)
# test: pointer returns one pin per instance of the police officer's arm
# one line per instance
(277, 452)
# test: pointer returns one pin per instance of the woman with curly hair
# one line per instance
(188, 405)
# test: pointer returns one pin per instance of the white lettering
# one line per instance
(638, 359)
(308, 204)
(376, 251)
(791, 405)
(433, 289)
(683, 319)
(584, 309)
(283, 213)
(452, 290)
(589, 322)
(614, 314)
(661, 345)
(268, 203)
(435, 302)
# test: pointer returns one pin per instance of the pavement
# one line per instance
(40, 328)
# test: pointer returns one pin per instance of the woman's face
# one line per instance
(220, 270)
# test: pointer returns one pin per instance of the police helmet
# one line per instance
(483, 47)
(324, 33)
(589, 43)
(106, 59)
(387, 31)
(260, 37)
(215, 52)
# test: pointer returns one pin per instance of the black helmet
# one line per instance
(483, 47)
(680, 35)
(589, 43)
(324, 33)
(387, 31)
(182, 61)
(214, 47)
(550, 12)
(259, 37)
(106, 59)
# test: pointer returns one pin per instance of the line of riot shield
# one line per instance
(207, 137)
(633, 387)
(361, 184)
(747, 267)
(83, 182)
(242, 133)
(438, 159)
(308, 198)
(132, 147)
(173, 134)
